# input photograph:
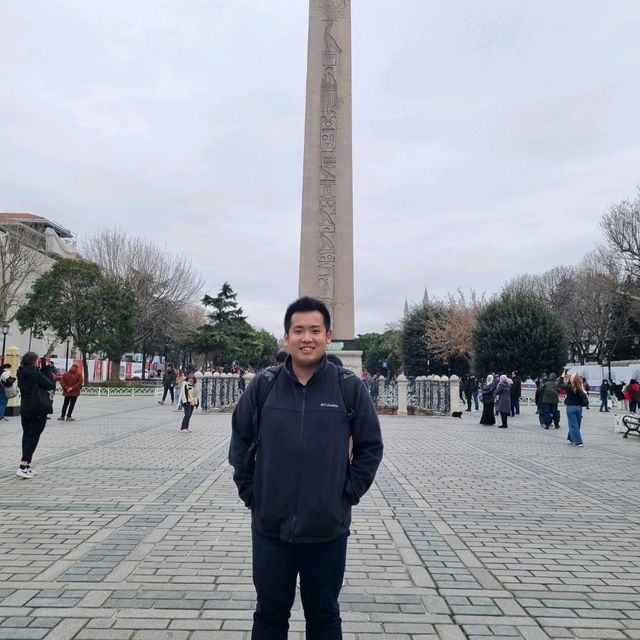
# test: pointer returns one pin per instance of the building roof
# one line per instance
(30, 218)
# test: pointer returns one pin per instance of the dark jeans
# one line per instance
(3, 402)
(275, 567)
(68, 403)
(551, 414)
(188, 410)
(32, 428)
(164, 395)
(515, 407)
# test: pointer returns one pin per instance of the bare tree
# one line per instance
(20, 264)
(621, 225)
(164, 284)
(450, 326)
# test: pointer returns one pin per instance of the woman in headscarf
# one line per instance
(488, 389)
(189, 401)
(503, 400)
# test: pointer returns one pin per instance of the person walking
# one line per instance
(297, 476)
(189, 401)
(604, 396)
(33, 415)
(516, 393)
(550, 399)
(632, 394)
(503, 400)
(6, 382)
(575, 401)
(71, 383)
(168, 382)
(180, 380)
(488, 417)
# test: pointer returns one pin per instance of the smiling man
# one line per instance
(292, 465)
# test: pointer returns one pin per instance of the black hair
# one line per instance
(281, 356)
(29, 359)
(6, 365)
(304, 304)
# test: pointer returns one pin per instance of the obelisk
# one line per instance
(326, 246)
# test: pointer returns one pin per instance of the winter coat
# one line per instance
(303, 483)
(573, 399)
(503, 397)
(169, 378)
(516, 388)
(28, 378)
(550, 393)
(71, 383)
(632, 392)
(604, 390)
(188, 395)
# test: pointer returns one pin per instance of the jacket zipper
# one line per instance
(294, 517)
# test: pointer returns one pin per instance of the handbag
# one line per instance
(10, 392)
(40, 402)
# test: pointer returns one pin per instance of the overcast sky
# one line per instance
(488, 136)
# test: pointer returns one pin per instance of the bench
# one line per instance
(631, 423)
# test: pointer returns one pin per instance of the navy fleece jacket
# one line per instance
(302, 485)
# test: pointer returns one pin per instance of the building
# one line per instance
(29, 246)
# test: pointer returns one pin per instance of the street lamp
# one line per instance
(5, 330)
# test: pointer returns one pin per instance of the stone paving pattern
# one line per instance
(133, 531)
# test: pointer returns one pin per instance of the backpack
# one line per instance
(265, 382)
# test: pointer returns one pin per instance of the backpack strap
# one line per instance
(264, 381)
(348, 388)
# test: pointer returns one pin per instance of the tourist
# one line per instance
(188, 400)
(281, 357)
(516, 393)
(632, 394)
(488, 390)
(550, 399)
(71, 383)
(538, 400)
(180, 378)
(474, 393)
(6, 381)
(32, 414)
(604, 396)
(168, 382)
(618, 390)
(576, 399)
(503, 400)
(302, 484)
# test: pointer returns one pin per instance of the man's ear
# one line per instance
(329, 335)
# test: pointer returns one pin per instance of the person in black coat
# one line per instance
(33, 419)
(516, 393)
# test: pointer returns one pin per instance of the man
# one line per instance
(550, 399)
(516, 393)
(303, 482)
(168, 382)
(5, 380)
(71, 384)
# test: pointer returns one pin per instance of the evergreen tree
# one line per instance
(418, 359)
(519, 332)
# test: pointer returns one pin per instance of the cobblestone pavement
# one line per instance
(132, 531)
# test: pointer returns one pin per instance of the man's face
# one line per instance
(307, 338)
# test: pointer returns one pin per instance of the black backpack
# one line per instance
(265, 381)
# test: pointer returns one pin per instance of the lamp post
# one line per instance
(5, 330)
(66, 364)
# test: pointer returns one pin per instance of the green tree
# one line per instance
(379, 348)
(115, 308)
(228, 337)
(76, 301)
(519, 332)
(225, 306)
(418, 358)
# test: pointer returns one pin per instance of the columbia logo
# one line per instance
(329, 404)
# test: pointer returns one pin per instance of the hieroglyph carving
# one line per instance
(328, 140)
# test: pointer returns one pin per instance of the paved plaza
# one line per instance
(133, 531)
